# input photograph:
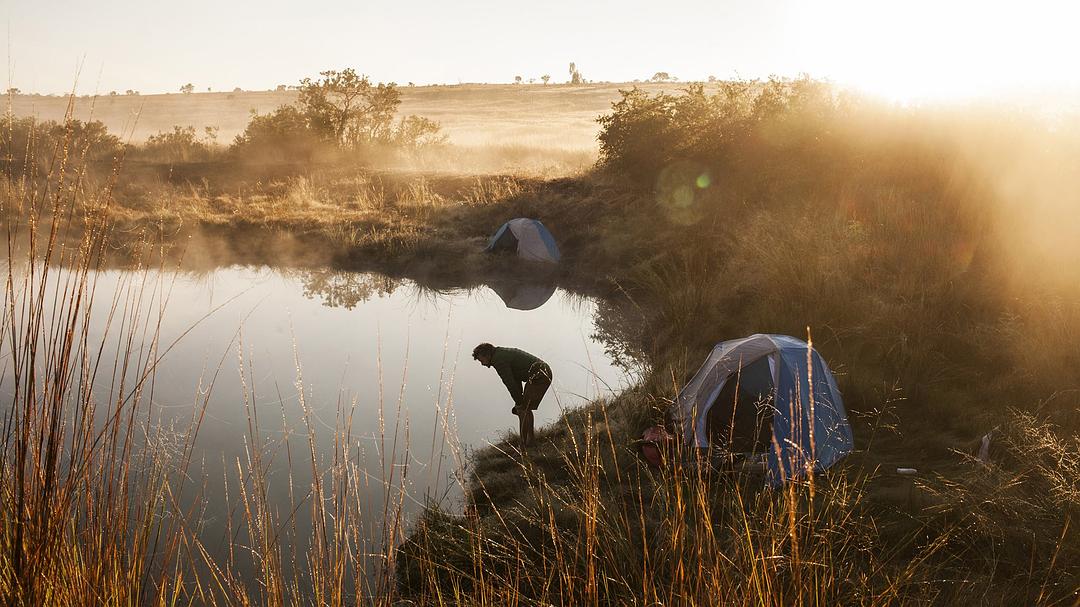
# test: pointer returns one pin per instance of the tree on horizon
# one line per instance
(575, 75)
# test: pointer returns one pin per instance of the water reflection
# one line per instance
(618, 324)
(320, 355)
(313, 368)
(339, 289)
(523, 296)
(342, 289)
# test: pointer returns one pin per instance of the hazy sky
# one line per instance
(901, 49)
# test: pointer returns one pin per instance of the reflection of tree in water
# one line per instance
(339, 289)
(621, 327)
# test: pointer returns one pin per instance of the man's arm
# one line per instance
(512, 384)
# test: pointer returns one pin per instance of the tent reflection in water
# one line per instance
(526, 237)
(523, 296)
(770, 396)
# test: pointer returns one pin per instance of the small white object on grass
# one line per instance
(984, 448)
(907, 471)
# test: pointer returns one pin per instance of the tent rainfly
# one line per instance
(528, 237)
(766, 392)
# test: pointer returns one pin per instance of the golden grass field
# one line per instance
(555, 116)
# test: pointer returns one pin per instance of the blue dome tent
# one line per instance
(770, 393)
(528, 238)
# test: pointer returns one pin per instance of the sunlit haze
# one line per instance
(916, 49)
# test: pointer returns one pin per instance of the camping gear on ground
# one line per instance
(523, 296)
(660, 449)
(528, 238)
(655, 445)
(766, 393)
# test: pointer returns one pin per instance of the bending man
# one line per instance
(517, 367)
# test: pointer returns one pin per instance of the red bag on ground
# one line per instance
(654, 441)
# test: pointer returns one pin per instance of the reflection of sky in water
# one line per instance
(423, 338)
(355, 337)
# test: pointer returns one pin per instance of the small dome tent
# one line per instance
(770, 393)
(528, 237)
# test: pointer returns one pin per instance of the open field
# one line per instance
(553, 116)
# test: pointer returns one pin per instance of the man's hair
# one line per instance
(484, 349)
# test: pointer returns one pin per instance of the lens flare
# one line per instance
(681, 188)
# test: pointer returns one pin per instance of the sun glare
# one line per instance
(926, 50)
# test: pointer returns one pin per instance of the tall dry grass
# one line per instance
(580, 520)
(89, 511)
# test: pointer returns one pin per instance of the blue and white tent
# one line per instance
(528, 238)
(770, 393)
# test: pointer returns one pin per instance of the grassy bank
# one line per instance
(582, 520)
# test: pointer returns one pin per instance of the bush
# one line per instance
(28, 146)
(281, 135)
(179, 145)
(345, 109)
(415, 132)
(341, 112)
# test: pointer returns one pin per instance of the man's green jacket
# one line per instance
(513, 367)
